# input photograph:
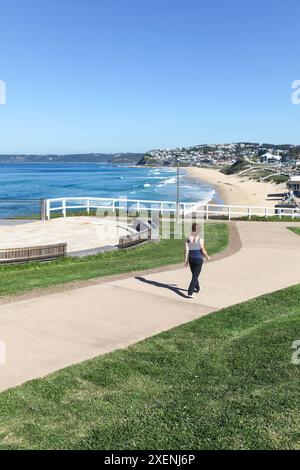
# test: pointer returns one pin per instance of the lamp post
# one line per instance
(177, 194)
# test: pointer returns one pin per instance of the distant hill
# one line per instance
(217, 155)
(118, 158)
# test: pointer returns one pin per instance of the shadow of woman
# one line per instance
(171, 287)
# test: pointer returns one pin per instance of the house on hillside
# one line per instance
(294, 185)
(270, 158)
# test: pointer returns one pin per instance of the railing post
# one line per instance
(249, 213)
(266, 213)
(207, 212)
(280, 213)
(161, 208)
(113, 206)
(48, 213)
(229, 213)
(43, 210)
(88, 205)
(64, 211)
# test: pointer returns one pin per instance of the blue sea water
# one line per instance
(50, 180)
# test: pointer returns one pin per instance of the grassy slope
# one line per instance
(224, 381)
(295, 230)
(22, 278)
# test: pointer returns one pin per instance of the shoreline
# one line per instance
(235, 190)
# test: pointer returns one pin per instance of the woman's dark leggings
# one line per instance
(196, 266)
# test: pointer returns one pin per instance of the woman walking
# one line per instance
(194, 252)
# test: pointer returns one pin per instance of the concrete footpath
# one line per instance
(46, 333)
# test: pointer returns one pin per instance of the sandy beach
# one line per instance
(236, 190)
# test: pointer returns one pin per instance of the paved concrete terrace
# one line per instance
(80, 233)
(49, 332)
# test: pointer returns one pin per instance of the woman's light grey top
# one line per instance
(195, 244)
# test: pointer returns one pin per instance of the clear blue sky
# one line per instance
(131, 75)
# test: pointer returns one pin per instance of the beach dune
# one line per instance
(235, 190)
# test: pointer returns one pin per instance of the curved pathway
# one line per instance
(54, 330)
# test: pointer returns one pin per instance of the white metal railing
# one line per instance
(165, 207)
(234, 211)
(113, 204)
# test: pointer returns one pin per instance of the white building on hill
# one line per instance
(294, 185)
(270, 158)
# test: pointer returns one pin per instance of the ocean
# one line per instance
(50, 180)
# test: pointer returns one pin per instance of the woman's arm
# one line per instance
(186, 257)
(203, 249)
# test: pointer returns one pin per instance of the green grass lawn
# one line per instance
(224, 381)
(257, 218)
(295, 230)
(28, 276)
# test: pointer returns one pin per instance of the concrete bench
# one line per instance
(33, 253)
